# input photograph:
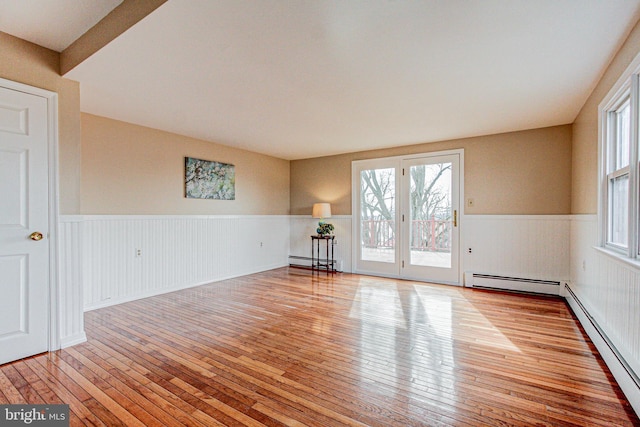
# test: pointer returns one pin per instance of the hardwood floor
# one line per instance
(287, 347)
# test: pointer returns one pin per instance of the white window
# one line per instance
(619, 210)
(618, 176)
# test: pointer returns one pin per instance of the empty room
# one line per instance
(320, 212)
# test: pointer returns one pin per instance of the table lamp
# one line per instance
(322, 211)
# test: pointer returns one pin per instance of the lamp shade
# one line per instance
(321, 210)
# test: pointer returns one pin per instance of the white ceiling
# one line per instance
(306, 78)
(54, 24)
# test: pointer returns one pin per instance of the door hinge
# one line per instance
(402, 171)
(402, 264)
(402, 217)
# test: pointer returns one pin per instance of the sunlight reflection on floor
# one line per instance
(378, 303)
(409, 334)
(476, 328)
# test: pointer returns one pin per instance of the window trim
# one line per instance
(626, 89)
(614, 171)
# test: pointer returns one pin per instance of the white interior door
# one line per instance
(24, 225)
(406, 217)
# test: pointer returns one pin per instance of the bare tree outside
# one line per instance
(377, 194)
(429, 198)
(430, 207)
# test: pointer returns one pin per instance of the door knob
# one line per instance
(36, 235)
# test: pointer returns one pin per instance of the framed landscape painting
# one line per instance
(204, 179)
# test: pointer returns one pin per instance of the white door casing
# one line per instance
(27, 221)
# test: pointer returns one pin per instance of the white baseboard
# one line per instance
(73, 340)
(625, 376)
(129, 298)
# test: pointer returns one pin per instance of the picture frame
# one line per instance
(207, 179)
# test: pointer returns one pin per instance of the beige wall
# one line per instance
(527, 172)
(130, 169)
(27, 63)
(584, 196)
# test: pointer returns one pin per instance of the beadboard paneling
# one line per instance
(608, 288)
(130, 257)
(523, 246)
(71, 305)
(303, 226)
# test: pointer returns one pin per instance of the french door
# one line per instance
(406, 216)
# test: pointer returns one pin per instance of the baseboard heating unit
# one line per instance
(623, 372)
(299, 261)
(518, 284)
(305, 262)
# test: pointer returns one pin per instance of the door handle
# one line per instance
(36, 235)
(455, 218)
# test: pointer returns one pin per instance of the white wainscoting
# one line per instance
(129, 257)
(609, 291)
(520, 246)
(71, 304)
(303, 226)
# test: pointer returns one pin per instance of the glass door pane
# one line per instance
(430, 215)
(377, 215)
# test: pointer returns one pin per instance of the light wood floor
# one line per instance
(286, 347)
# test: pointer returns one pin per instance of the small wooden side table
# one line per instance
(329, 263)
